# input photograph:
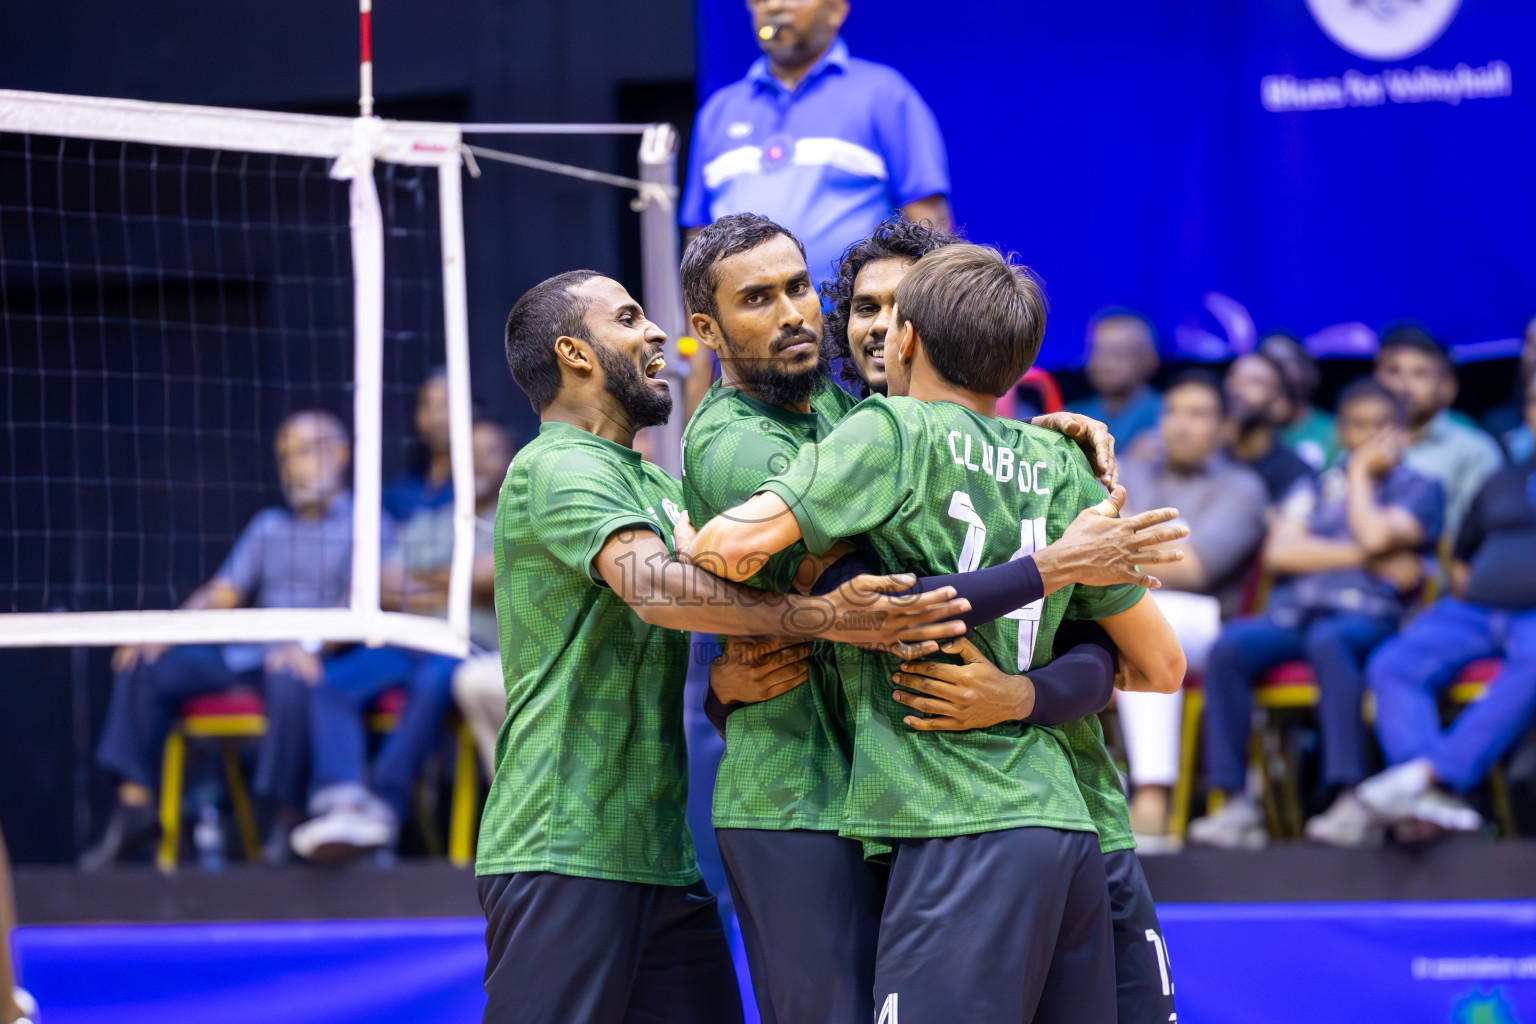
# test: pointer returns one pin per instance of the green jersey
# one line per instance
(786, 760)
(591, 766)
(934, 488)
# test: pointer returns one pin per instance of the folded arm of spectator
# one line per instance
(1294, 550)
(1379, 529)
(403, 590)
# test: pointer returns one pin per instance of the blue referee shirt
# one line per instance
(828, 160)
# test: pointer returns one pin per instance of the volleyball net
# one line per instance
(175, 283)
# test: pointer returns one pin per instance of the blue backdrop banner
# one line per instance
(1228, 167)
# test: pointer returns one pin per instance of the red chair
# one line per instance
(1041, 381)
(227, 717)
(1293, 685)
(240, 715)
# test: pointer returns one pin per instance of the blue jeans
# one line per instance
(1335, 643)
(355, 679)
(147, 698)
(1411, 669)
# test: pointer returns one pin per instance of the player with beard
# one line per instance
(861, 304)
(594, 905)
(780, 790)
(992, 861)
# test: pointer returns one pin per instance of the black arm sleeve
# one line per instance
(992, 592)
(717, 711)
(1079, 681)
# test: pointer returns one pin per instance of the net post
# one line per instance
(663, 288)
(367, 223)
(460, 427)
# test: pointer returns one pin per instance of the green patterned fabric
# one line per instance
(591, 765)
(1099, 781)
(786, 759)
(935, 488)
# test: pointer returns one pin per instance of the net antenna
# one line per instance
(365, 64)
(151, 157)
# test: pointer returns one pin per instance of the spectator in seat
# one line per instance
(428, 482)
(1309, 431)
(1258, 406)
(1412, 365)
(298, 556)
(351, 817)
(1492, 615)
(1507, 422)
(1347, 552)
(1122, 359)
(1223, 503)
(478, 686)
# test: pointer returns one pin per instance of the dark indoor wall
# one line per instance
(472, 60)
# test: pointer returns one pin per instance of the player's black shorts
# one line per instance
(1143, 983)
(567, 950)
(809, 908)
(997, 928)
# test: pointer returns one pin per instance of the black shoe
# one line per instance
(131, 831)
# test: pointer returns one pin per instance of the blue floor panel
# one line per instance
(1397, 963)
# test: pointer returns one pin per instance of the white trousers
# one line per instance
(481, 695)
(1151, 722)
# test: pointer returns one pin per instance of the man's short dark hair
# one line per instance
(1124, 313)
(896, 238)
(981, 317)
(1199, 377)
(729, 236)
(1301, 384)
(1288, 386)
(1413, 335)
(545, 312)
(1367, 389)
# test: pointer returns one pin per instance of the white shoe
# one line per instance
(25, 1003)
(1449, 812)
(343, 834)
(1237, 826)
(1391, 795)
(1348, 823)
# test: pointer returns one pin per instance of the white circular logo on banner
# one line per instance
(1384, 29)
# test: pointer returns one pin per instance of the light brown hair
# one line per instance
(981, 317)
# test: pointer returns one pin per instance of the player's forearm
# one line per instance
(736, 544)
(670, 594)
(1150, 656)
(1078, 682)
(992, 592)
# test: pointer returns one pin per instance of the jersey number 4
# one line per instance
(1031, 539)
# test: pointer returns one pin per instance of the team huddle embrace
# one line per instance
(922, 606)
